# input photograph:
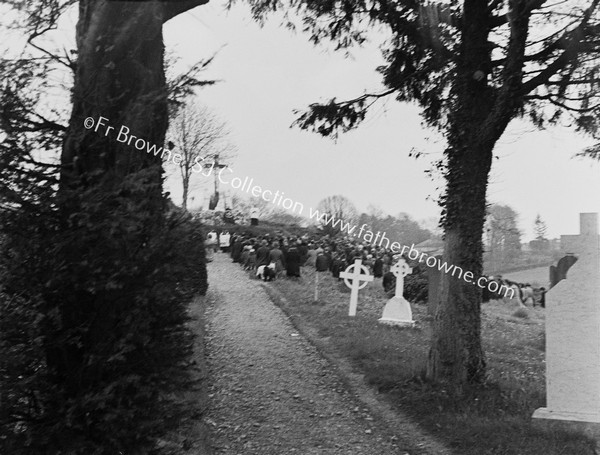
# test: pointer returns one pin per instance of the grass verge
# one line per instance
(493, 419)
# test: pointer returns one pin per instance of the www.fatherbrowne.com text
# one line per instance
(246, 185)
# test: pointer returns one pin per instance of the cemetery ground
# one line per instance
(494, 418)
(270, 392)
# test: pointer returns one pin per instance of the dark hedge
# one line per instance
(92, 319)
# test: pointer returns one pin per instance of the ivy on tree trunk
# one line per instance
(479, 118)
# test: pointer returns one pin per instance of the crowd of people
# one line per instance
(521, 293)
(286, 255)
(273, 256)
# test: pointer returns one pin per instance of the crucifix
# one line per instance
(352, 277)
(214, 167)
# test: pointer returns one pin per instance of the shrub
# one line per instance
(92, 315)
(416, 285)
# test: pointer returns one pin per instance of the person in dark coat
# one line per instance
(284, 246)
(329, 255)
(262, 254)
(276, 256)
(236, 249)
(338, 264)
(244, 255)
(303, 248)
(542, 297)
(378, 267)
(322, 262)
(293, 260)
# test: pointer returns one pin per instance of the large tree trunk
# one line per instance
(456, 356)
(120, 76)
(107, 179)
(480, 116)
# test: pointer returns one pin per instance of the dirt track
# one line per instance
(270, 391)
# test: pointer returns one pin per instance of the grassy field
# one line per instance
(539, 276)
(492, 419)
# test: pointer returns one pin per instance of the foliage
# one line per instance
(263, 229)
(503, 236)
(416, 285)
(540, 243)
(472, 67)
(95, 280)
(592, 152)
(267, 211)
(182, 85)
(540, 228)
(560, 55)
(401, 228)
(336, 207)
(200, 138)
(92, 347)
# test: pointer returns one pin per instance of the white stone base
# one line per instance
(587, 424)
(397, 322)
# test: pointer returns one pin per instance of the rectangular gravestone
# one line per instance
(573, 341)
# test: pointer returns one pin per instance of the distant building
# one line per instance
(570, 244)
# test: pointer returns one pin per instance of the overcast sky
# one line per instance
(267, 73)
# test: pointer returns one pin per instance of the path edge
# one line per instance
(418, 441)
(194, 436)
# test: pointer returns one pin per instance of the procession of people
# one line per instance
(288, 254)
(273, 256)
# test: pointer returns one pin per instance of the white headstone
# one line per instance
(397, 310)
(352, 277)
(573, 341)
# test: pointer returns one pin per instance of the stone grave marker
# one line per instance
(352, 277)
(573, 341)
(553, 276)
(562, 267)
(397, 310)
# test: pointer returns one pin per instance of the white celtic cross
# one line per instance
(400, 269)
(352, 277)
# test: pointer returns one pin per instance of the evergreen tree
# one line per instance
(540, 228)
(472, 66)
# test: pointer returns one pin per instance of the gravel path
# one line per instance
(270, 392)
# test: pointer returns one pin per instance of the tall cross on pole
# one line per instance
(352, 277)
(215, 166)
